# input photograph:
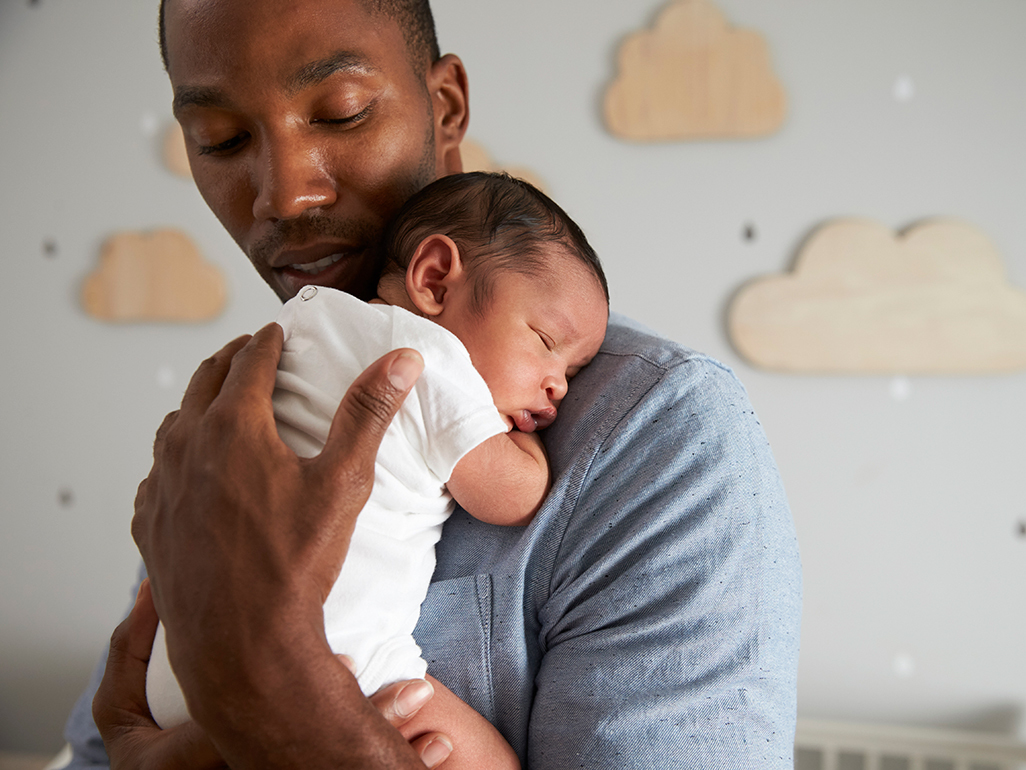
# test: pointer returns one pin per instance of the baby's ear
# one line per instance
(435, 269)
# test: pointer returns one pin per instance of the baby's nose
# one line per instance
(555, 388)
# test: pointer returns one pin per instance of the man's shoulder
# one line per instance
(644, 385)
(634, 357)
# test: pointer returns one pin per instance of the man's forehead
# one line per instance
(280, 25)
(212, 43)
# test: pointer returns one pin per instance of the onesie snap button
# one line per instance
(308, 293)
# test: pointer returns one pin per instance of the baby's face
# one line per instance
(536, 332)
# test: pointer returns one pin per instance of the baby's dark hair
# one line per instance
(498, 223)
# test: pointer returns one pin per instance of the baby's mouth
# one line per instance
(528, 422)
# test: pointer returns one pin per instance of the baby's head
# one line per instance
(501, 266)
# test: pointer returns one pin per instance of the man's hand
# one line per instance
(129, 733)
(235, 529)
(243, 540)
(133, 739)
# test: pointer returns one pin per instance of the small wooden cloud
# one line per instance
(862, 299)
(694, 77)
(157, 276)
(176, 159)
(477, 158)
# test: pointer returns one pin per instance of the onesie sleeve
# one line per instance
(454, 402)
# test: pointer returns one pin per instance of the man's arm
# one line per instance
(243, 540)
(503, 480)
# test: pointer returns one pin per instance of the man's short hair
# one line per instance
(498, 223)
(413, 17)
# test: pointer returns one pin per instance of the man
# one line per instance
(649, 615)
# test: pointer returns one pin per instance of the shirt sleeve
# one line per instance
(670, 632)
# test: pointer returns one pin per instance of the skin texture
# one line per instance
(306, 128)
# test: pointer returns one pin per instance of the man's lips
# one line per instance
(314, 258)
(312, 268)
(325, 265)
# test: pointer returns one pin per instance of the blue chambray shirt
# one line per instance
(649, 616)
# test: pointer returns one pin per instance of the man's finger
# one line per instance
(124, 679)
(140, 626)
(369, 405)
(207, 380)
(249, 382)
(400, 702)
(432, 748)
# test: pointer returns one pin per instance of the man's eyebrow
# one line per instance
(197, 96)
(318, 71)
(308, 75)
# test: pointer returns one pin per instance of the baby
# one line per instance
(505, 300)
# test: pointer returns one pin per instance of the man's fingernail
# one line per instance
(436, 752)
(412, 697)
(406, 368)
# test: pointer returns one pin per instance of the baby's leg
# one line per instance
(476, 743)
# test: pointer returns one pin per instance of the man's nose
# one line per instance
(291, 178)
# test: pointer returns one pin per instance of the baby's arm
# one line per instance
(503, 480)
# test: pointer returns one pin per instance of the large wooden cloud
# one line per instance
(693, 76)
(863, 299)
(155, 276)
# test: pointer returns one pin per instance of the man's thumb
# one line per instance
(368, 407)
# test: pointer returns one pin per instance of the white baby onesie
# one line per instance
(370, 614)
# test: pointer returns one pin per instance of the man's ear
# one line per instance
(435, 269)
(450, 102)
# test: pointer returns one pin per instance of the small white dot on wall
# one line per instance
(904, 665)
(904, 89)
(901, 389)
(149, 124)
(166, 377)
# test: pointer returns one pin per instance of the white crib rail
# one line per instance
(824, 745)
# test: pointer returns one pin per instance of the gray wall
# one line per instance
(907, 508)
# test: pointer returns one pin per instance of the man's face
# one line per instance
(307, 126)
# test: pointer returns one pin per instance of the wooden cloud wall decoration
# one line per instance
(155, 276)
(693, 76)
(476, 158)
(176, 157)
(863, 299)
